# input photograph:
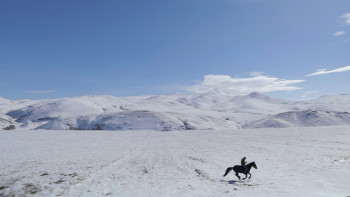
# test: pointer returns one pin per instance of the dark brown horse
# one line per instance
(240, 169)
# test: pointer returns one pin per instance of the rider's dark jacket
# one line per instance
(243, 162)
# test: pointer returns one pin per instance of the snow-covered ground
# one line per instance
(312, 161)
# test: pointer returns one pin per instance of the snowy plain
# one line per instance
(305, 161)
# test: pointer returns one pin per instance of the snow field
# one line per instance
(313, 161)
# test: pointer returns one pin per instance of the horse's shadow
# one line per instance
(230, 182)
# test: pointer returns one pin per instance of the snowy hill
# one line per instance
(302, 119)
(327, 103)
(5, 120)
(128, 120)
(254, 103)
(173, 112)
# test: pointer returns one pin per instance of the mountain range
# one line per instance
(174, 112)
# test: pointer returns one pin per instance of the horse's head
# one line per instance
(254, 165)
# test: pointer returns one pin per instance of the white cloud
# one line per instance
(325, 71)
(347, 18)
(39, 92)
(225, 84)
(339, 33)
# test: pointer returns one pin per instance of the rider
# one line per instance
(243, 162)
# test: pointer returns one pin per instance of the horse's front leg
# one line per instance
(250, 175)
(238, 176)
(245, 177)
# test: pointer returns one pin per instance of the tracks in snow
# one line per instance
(152, 167)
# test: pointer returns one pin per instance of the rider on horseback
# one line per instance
(243, 168)
(243, 162)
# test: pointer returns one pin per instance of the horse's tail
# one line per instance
(227, 171)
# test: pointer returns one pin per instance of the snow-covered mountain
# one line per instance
(5, 120)
(127, 120)
(174, 112)
(302, 119)
(254, 103)
(327, 103)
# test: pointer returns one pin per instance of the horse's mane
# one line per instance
(251, 163)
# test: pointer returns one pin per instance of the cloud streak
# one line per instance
(225, 84)
(325, 71)
(39, 92)
(339, 33)
(347, 18)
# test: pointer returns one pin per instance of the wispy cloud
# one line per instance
(339, 33)
(40, 91)
(325, 71)
(347, 18)
(257, 82)
(310, 94)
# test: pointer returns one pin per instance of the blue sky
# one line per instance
(51, 49)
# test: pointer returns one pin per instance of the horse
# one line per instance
(240, 169)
